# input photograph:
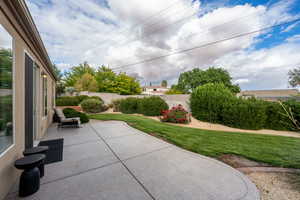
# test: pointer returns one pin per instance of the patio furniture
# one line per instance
(30, 177)
(66, 122)
(38, 150)
(55, 151)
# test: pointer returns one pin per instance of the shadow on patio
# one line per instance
(112, 161)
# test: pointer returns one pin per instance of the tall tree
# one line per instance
(294, 77)
(109, 81)
(77, 72)
(87, 83)
(192, 79)
(105, 78)
(60, 85)
(164, 83)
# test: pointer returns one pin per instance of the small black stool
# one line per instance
(38, 150)
(30, 177)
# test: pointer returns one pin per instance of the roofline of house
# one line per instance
(270, 90)
(27, 30)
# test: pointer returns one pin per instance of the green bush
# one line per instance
(152, 106)
(295, 108)
(74, 100)
(70, 112)
(115, 104)
(276, 119)
(67, 101)
(207, 102)
(215, 103)
(129, 105)
(82, 97)
(244, 113)
(97, 98)
(92, 105)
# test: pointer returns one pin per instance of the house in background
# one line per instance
(27, 88)
(154, 90)
(271, 95)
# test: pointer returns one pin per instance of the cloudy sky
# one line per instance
(120, 33)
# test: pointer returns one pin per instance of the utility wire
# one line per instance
(207, 44)
(205, 31)
(143, 22)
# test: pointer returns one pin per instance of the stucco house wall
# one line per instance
(21, 45)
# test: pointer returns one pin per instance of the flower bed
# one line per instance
(177, 114)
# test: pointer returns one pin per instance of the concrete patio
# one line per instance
(112, 161)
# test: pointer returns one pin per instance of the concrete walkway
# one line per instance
(112, 161)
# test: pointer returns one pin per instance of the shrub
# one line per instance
(152, 106)
(128, 105)
(97, 98)
(173, 91)
(244, 113)
(70, 112)
(176, 115)
(295, 108)
(276, 119)
(116, 105)
(82, 97)
(67, 101)
(92, 106)
(207, 102)
(214, 103)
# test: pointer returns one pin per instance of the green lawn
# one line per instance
(276, 150)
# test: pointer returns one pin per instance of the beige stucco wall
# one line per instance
(8, 174)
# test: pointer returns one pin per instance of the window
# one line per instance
(45, 96)
(6, 90)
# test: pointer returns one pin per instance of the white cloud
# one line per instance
(82, 30)
(293, 38)
(290, 27)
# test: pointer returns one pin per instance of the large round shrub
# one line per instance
(207, 101)
(97, 98)
(152, 106)
(92, 106)
(82, 97)
(70, 112)
(129, 105)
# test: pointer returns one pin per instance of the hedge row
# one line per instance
(215, 103)
(74, 100)
(150, 106)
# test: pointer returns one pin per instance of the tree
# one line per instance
(105, 78)
(190, 80)
(164, 83)
(109, 81)
(76, 73)
(60, 84)
(294, 77)
(87, 83)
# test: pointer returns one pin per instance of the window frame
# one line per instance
(45, 94)
(13, 45)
